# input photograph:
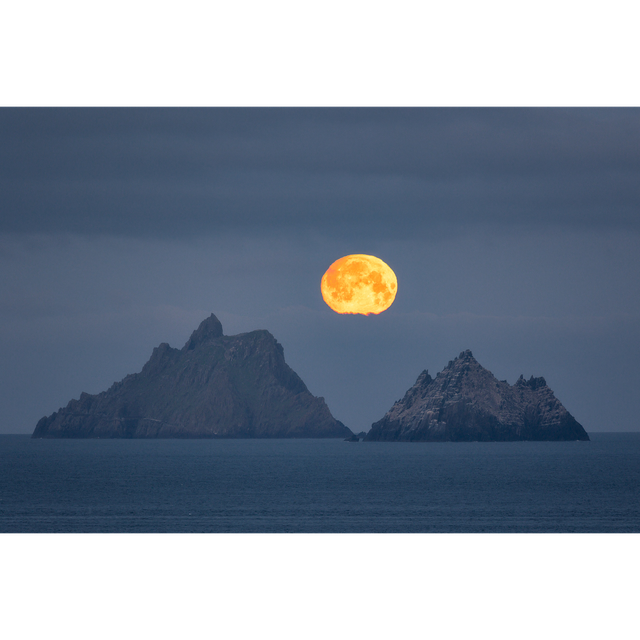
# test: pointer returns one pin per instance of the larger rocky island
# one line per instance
(216, 386)
(465, 402)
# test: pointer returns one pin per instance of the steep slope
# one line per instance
(215, 386)
(465, 402)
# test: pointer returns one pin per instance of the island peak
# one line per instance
(209, 329)
(465, 402)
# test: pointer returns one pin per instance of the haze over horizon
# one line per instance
(513, 232)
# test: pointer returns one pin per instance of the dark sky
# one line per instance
(513, 232)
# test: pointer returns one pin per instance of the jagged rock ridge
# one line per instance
(465, 402)
(215, 386)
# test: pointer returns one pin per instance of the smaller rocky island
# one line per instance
(216, 386)
(465, 402)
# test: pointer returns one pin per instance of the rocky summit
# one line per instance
(465, 402)
(216, 386)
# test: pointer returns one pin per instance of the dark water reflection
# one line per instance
(319, 486)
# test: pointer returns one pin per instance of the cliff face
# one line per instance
(215, 386)
(465, 402)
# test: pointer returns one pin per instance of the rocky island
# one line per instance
(216, 386)
(465, 402)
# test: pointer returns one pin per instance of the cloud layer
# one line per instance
(353, 172)
(513, 232)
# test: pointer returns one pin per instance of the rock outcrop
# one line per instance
(465, 402)
(216, 386)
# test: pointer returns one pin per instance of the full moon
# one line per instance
(359, 284)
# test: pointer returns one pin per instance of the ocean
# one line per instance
(319, 486)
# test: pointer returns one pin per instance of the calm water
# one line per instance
(319, 486)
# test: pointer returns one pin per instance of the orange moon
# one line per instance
(359, 284)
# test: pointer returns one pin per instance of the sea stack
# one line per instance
(216, 386)
(465, 402)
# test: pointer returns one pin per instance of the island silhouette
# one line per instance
(465, 402)
(240, 386)
(216, 386)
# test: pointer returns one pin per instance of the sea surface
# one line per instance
(319, 486)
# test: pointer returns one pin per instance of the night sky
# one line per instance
(513, 232)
